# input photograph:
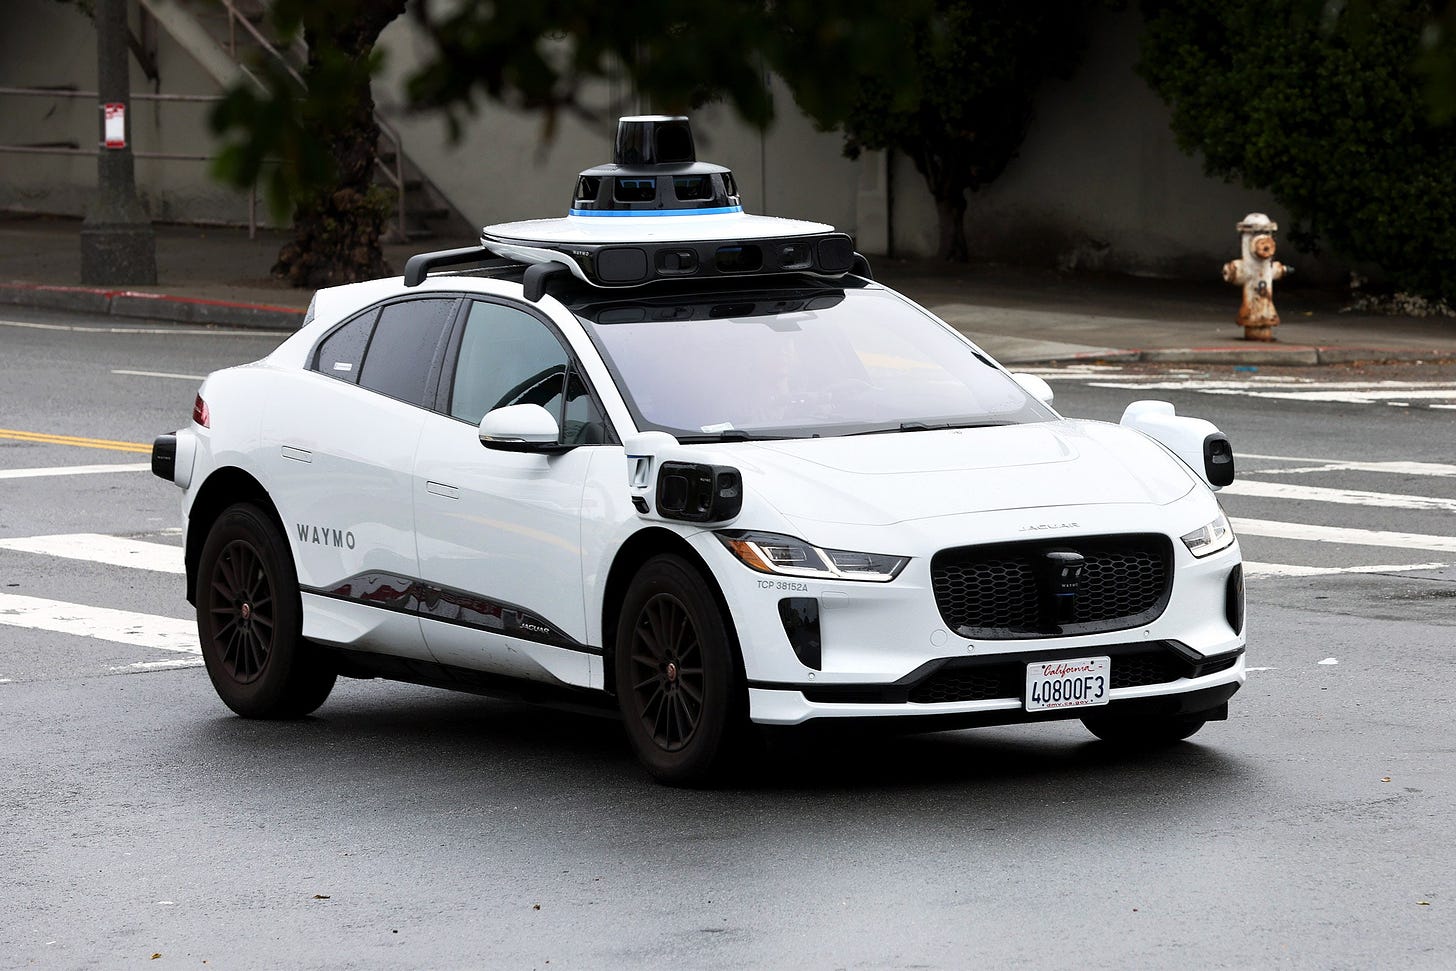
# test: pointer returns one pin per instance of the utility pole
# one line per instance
(117, 242)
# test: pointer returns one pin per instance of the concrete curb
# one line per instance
(1291, 356)
(151, 306)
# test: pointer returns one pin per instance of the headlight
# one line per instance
(1211, 538)
(786, 556)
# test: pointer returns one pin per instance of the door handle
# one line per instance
(441, 489)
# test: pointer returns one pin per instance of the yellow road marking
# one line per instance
(42, 438)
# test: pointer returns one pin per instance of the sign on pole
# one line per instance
(115, 124)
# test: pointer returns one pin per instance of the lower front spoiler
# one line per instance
(774, 707)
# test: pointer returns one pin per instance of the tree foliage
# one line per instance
(1322, 105)
(539, 56)
(960, 102)
(315, 153)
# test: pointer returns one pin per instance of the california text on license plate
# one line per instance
(1076, 683)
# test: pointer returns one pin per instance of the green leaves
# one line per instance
(1323, 106)
(952, 89)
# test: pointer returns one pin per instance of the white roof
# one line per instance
(617, 226)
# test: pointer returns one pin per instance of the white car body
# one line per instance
(791, 493)
(367, 485)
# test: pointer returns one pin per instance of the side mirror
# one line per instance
(1201, 446)
(1035, 386)
(521, 428)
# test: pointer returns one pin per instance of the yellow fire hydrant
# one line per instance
(1256, 273)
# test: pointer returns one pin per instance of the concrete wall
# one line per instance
(502, 168)
(45, 43)
(1099, 183)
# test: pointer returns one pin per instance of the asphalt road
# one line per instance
(404, 827)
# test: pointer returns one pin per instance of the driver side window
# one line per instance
(506, 358)
(509, 357)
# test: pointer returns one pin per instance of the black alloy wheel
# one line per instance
(242, 611)
(667, 672)
(678, 681)
(250, 620)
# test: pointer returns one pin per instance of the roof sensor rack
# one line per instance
(655, 213)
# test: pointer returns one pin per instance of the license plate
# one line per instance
(1081, 682)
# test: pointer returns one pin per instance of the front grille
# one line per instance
(997, 592)
(1130, 672)
(983, 685)
(976, 680)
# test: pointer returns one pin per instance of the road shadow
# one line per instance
(458, 749)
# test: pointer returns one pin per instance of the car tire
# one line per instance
(677, 677)
(250, 621)
(1143, 731)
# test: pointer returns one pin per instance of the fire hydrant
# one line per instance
(1256, 273)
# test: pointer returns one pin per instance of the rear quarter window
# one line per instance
(340, 354)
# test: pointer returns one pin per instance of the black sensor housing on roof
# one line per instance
(632, 264)
(655, 168)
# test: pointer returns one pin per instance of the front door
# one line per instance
(499, 532)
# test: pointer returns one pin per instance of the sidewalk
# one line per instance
(1021, 316)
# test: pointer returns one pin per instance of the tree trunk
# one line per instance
(337, 232)
(947, 181)
(950, 213)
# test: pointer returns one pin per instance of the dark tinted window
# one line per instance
(340, 353)
(404, 348)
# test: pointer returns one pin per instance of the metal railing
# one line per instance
(75, 150)
(394, 176)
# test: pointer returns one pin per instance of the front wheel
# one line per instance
(250, 620)
(678, 686)
(1143, 731)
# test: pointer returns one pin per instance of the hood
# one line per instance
(877, 480)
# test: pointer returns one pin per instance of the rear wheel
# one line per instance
(250, 621)
(678, 686)
(1143, 730)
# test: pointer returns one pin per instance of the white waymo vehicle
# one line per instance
(665, 455)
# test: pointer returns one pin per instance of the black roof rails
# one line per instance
(419, 266)
(537, 276)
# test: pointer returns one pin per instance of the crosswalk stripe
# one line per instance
(1344, 397)
(102, 623)
(1254, 569)
(159, 374)
(1352, 396)
(1344, 534)
(99, 548)
(74, 470)
(1347, 497)
(181, 662)
(1433, 469)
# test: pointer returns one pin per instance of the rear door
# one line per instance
(346, 435)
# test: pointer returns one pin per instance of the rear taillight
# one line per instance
(199, 413)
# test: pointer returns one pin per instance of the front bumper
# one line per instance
(880, 644)
(1198, 693)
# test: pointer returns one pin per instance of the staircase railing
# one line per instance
(393, 175)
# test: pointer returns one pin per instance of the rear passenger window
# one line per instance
(406, 349)
(341, 352)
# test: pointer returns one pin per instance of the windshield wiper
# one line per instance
(920, 426)
(733, 435)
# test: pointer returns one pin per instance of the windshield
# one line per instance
(798, 364)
